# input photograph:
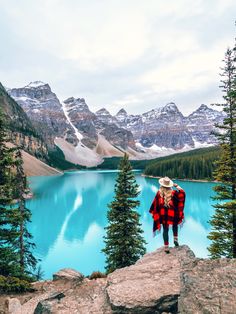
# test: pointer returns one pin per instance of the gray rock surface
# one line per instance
(44, 110)
(209, 287)
(13, 306)
(158, 283)
(68, 274)
(152, 285)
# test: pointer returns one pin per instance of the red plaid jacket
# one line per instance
(174, 214)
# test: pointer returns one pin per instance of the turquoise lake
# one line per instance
(69, 216)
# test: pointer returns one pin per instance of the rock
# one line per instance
(158, 283)
(13, 306)
(209, 287)
(88, 297)
(43, 307)
(46, 305)
(68, 274)
(152, 285)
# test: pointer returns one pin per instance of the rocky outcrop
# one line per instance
(201, 123)
(44, 110)
(19, 127)
(158, 283)
(209, 287)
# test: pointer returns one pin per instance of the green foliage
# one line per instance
(97, 274)
(15, 117)
(56, 159)
(14, 285)
(196, 164)
(124, 243)
(15, 241)
(223, 222)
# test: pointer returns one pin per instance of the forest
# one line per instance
(196, 164)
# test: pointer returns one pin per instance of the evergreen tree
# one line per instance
(124, 243)
(223, 222)
(15, 256)
(22, 217)
(8, 234)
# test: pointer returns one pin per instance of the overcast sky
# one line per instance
(135, 54)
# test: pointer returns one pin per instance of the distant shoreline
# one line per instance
(191, 180)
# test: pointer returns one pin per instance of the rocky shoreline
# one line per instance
(158, 283)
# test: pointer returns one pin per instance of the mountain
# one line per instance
(86, 137)
(201, 123)
(21, 130)
(44, 110)
(164, 127)
(167, 128)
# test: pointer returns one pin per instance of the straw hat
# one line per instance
(166, 182)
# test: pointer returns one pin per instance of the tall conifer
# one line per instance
(124, 243)
(16, 258)
(24, 245)
(8, 259)
(223, 222)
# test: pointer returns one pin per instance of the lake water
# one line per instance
(69, 216)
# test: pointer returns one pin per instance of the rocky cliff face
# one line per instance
(21, 131)
(166, 127)
(109, 127)
(201, 123)
(82, 120)
(158, 132)
(157, 283)
(44, 110)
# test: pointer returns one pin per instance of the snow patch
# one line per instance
(201, 145)
(35, 84)
(77, 133)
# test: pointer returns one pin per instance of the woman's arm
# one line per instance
(177, 187)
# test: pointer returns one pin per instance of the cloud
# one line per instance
(132, 53)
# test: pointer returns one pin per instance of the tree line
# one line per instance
(199, 164)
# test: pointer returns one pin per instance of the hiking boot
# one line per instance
(176, 243)
(167, 249)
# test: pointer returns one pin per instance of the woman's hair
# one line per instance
(166, 193)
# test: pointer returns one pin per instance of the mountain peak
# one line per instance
(73, 100)
(171, 106)
(203, 107)
(121, 112)
(103, 111)
(36, 84)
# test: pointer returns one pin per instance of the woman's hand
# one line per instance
(175, 185)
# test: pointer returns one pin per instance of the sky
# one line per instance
(131, 54)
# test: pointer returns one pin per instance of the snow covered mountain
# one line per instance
(201, 123)
(86, 137)
(44, 110)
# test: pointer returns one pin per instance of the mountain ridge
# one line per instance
(157, 132)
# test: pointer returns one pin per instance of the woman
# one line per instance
(168, 209)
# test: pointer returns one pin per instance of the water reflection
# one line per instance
(69, 216)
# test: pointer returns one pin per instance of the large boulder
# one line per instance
(209, 287)
(152, 285)
(68, 274)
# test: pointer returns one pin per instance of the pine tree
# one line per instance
(22, 217)
(223, 222)
(8, 234)
(124, 243)
(15, 256)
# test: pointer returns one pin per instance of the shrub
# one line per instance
(13, 284)
(97, 274)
